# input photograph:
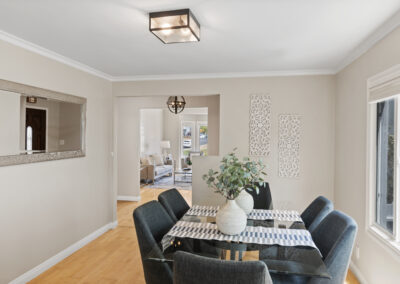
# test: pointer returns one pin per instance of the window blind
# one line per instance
(385, 90)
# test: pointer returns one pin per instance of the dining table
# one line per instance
(274, 237)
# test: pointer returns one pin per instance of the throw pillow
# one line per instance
(144, 161)
(158, 161)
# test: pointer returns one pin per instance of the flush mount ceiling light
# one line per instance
(176, 104)
(174, 26)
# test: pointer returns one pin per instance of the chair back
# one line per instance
(262, 200)
(174, 203)
(335, 237)
(152, 222)
(194, 269)
(316, 212)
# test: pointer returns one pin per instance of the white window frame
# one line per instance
(193, 125)
(390, 242)
(198, 125)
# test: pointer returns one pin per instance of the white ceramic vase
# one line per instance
(231, 219)
(245, 201)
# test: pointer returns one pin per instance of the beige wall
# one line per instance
(310, 96)
(46, 207)
(152, 126)
(375, 262)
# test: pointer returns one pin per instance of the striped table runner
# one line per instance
(256, 214)
(254, 235)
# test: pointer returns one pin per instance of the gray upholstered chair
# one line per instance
(174, 203)
(194, 269)
(262, 199)
(334, 237)
(316, 212)
(152, 222)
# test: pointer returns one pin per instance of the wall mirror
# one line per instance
(39, 125)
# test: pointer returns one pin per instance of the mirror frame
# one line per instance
(48, 94)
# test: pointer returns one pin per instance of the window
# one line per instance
(187, 138)
(383, 159)
(385, 166)
(203, 138)
(194, 139)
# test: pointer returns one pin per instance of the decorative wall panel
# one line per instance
(260, 125)
(289, 145)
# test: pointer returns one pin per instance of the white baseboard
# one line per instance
(36, 271)
(358, 273)
(113, 225)
(128, 198)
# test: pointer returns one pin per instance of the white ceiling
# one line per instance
(236, 35)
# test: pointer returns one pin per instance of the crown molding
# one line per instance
(276, 73)
(387, 27)
(363, 47)
(51, 54)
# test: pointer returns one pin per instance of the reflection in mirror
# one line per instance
(38, 125)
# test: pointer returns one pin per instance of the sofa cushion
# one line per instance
(162, 170)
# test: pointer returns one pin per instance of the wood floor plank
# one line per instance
(114, 257)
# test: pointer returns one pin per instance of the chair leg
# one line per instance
(223, 254)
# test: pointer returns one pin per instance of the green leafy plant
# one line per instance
(235, 175)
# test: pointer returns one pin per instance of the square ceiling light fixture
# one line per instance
(174, 26)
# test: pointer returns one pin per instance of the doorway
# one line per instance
(136, 148)
(35, 129)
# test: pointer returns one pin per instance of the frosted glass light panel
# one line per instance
(175, 26)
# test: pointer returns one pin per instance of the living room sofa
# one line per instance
(154, 167)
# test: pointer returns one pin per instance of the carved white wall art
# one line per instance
(260, 125)
(289, 145)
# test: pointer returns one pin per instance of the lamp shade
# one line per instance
(165, 144)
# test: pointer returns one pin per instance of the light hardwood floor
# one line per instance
(113, 257)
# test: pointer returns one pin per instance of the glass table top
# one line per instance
(294, 260)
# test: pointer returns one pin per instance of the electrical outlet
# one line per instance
(62, 142)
